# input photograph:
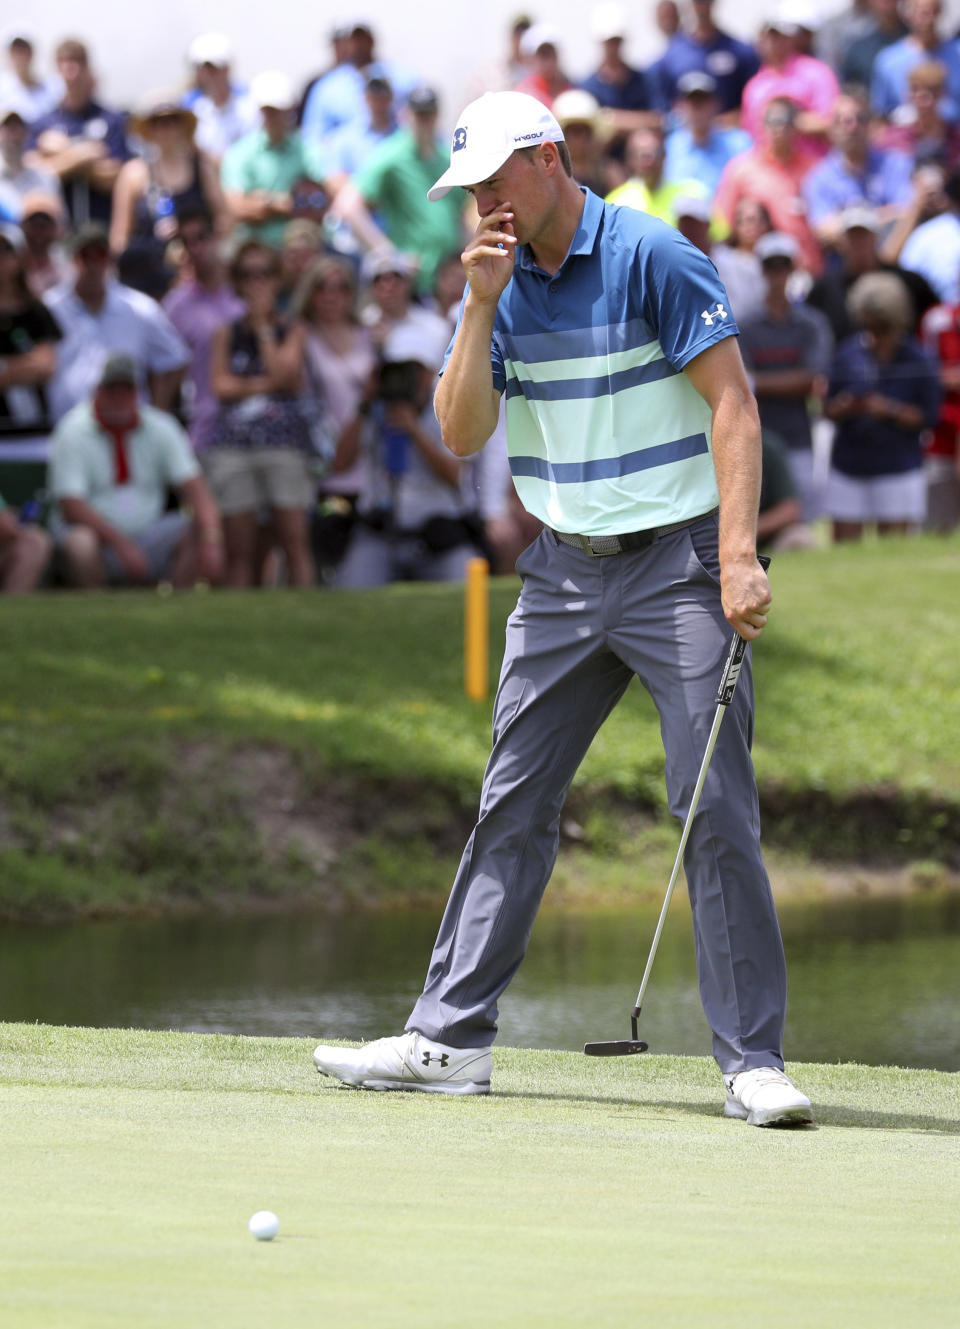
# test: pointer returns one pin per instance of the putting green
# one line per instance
(581, 1193)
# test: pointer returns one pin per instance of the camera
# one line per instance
(399, 381)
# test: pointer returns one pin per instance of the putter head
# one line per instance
(624, 1047)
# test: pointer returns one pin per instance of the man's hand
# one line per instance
(489, 257)
(132, 558)
(746, 597)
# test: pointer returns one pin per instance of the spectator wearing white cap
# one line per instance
(586, 129)
(787, 351)
(273, 174)
(412, 513)
(390, 277)
(786, 72)
(616, 85)
(45, 260)
(224, 109)
(700, 147)
(706, 48)
(21, 88)
(386, 202)
(546, 80)
(17, 180)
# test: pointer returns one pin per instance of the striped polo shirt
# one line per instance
(605, 433)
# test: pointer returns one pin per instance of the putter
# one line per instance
(630, 1047)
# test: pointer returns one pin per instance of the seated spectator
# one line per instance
(172, 176)
(856, 254)
(700, 147)
(647, 189)
(854, 173)
(21, 89)
(921, 130)
(225, 112)
(17, 180)
(780, 524)
(24, 553)
(273, 174)
(349, 147)
(614, 84)
(886, 28)
(546, 80)
(933, 249)
(787, 73)
(412, 514)
(787, 351)
(889, 87)
(197, 306)
(80, 141)
(394, 183)
(341, 44)
(940, 331)
(99, 316)
(883, 393)
(736, 262)
(44, 259)
(339, 361)
(704, 49)
(113, 462)
(28, 338)
(260, 448)
(585, 129)
(772, 173)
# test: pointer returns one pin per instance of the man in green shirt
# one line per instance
(273, 174)
(393, 183)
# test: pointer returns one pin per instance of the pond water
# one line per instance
(874, 981)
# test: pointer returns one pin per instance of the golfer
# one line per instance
(634, 438)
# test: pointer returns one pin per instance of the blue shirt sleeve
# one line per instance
(683, 298)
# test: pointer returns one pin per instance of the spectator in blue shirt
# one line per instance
(705, 48)
(337, 99)
(889, 88)
(615, 84)
(348, 149)
(854, 173)
(80, 141)
(700, 148)
(886, 28)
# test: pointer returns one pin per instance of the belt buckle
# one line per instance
(600, 546)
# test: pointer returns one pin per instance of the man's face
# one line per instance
(850, 124)
(778, 123)
(362, 43)
(644, 154)
(546, 62)
(776, 272)
(276, 120)
(39, 231)
(92, 262)
(700, 107)
(392, 291)
(75, 74)
(521, 182)
(13, 134)
(116, 402)
(860, 248)
(198, 240)
(21, 57)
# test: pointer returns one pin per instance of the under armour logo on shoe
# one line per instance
(710, 318)
(459, 139)
(443, 1058)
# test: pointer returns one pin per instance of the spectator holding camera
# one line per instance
(412, 515)
(260, 446)
(112, 464)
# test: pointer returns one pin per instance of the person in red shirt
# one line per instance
(540, 44)
(772, 172)
(940, 332)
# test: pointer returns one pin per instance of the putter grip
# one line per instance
(738, 647)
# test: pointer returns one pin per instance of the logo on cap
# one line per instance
(459, 139)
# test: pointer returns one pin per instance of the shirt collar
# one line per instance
(584, 237)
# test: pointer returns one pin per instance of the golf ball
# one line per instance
(264, 1225)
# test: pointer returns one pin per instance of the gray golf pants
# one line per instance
(583, 626)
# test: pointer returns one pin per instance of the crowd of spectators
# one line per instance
(222, 310)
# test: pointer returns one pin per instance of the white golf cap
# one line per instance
(776, 244)
(576, 106)
(690, 205)
(489, 131)
(537, 35)
(210, 48)
(426, 345)
(275, 89)
(859, 216)
(607, 21)
(801, 14)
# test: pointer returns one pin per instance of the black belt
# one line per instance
(602, 546)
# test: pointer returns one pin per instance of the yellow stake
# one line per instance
(476, 630)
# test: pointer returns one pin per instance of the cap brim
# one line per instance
(462, 174)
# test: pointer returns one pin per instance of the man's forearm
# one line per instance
(466, 401)
(737, 459)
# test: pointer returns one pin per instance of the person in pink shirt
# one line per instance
(772, 172)
(540, 45)
(809, 83)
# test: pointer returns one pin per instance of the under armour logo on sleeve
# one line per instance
(710, 318)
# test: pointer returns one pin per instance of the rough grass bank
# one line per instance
(237, 751)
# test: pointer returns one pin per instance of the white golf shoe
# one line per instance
(409, 1061)
(766, 1097)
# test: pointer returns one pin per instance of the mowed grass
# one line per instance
(580, 1193)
